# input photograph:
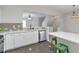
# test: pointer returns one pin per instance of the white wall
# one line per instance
(13, 14)
(71, 25)
(54, 21)
(0, 14)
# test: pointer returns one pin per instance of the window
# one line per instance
(24, 23)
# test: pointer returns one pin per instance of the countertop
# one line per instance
(73, 37)
(19, 31)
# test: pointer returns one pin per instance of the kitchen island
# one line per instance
(70, 39)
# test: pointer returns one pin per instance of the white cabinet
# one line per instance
(19, 40)
(32, 37)
(23, 39)
(15, 40)
(9, 42)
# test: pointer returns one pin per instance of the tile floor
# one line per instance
(42, 47)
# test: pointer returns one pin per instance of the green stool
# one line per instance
(53, 43)
(61, 48)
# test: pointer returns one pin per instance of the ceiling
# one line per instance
(63, 9)
(60, 8)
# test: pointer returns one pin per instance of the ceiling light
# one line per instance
(29, 16)
(75, 15)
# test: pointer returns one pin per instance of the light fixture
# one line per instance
(29, 16)
(74, 15)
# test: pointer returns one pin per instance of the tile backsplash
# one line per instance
(10, 26)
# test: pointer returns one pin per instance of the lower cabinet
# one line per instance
(16, 40)
(9, 42)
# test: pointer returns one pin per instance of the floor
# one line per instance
(43, 47)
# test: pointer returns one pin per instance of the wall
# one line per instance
(71, 25)
(54, 21)
(13, 14)
(0, 14)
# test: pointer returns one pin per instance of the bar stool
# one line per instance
(53, 43)
(61, 48)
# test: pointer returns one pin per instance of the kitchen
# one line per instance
(16, 34)
(24, 25)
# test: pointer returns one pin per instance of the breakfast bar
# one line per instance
(72, 39)
(66, 36)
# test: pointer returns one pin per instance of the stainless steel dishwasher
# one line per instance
(42, 35)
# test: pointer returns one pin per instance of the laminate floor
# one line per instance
(43, 47)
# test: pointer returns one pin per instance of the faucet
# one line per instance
(30, 26)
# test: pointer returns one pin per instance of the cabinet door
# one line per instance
(27, 38)
(19, 40)
(32, 37)
(16, 40)
(9, 41)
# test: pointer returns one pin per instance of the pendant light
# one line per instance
(29, 17)
(74, 15)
